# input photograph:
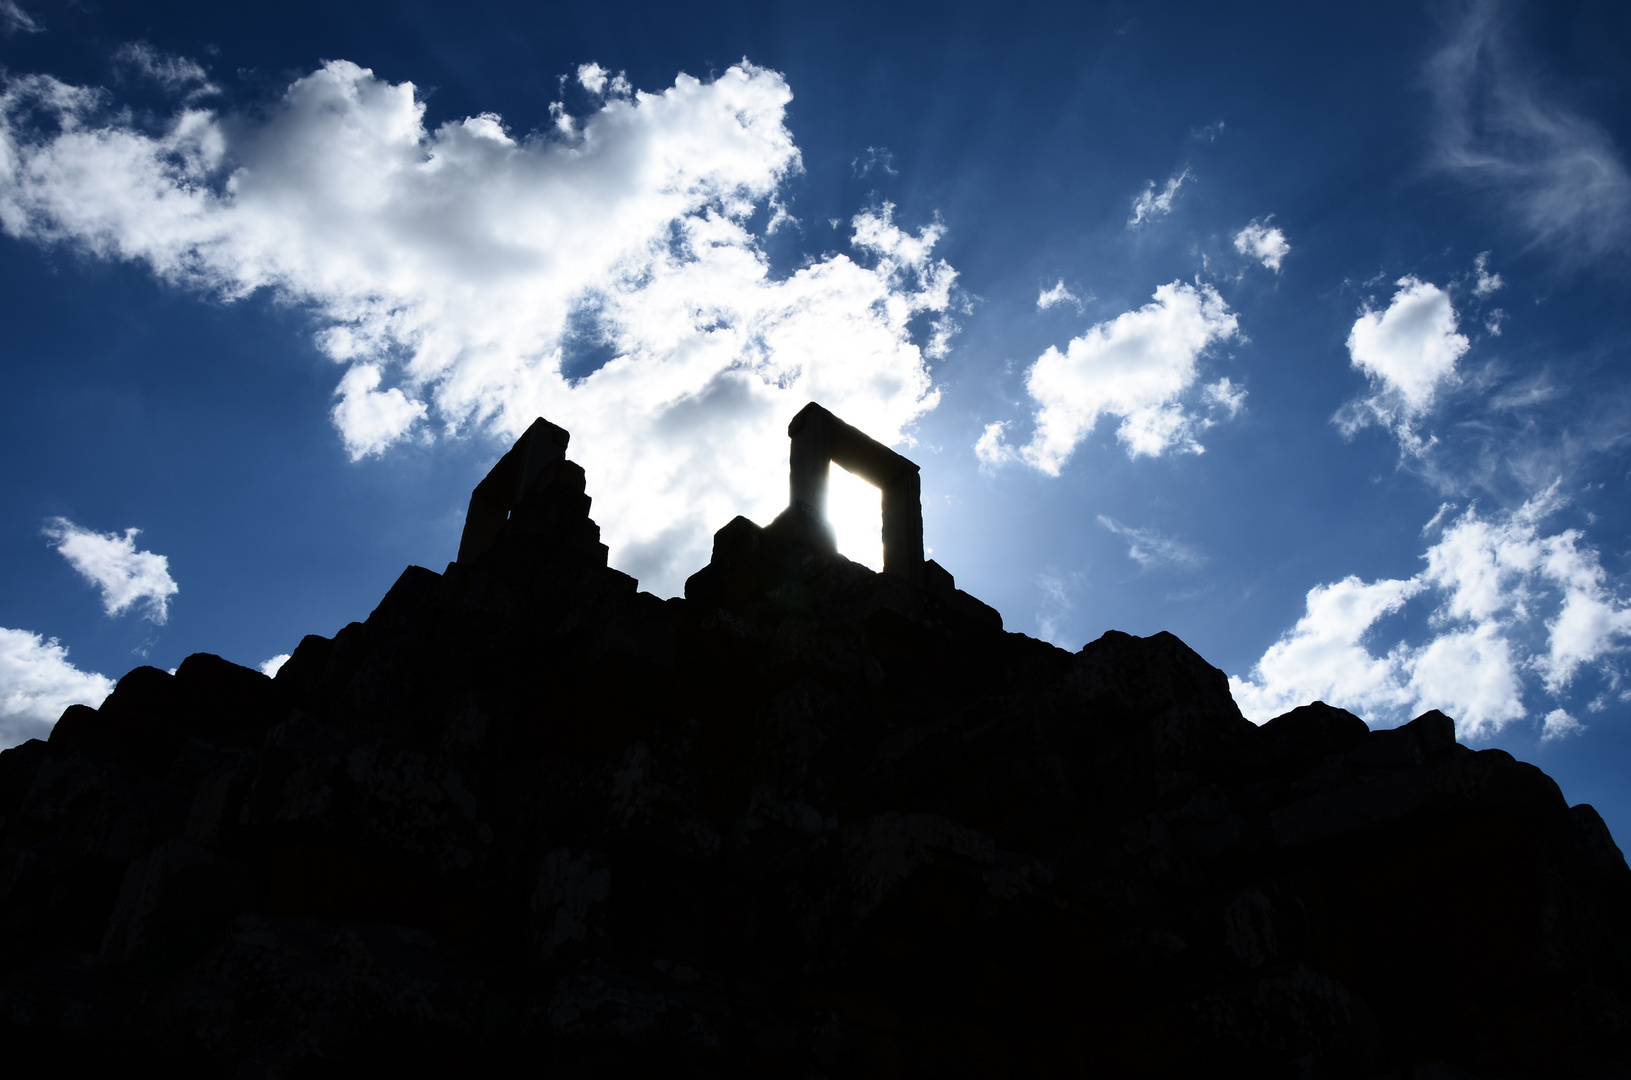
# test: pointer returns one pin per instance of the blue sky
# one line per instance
(1299, 333)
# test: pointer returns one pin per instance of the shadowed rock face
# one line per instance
(807, 821)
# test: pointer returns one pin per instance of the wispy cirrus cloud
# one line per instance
(37, 682)
(1152, 549)
(14, 20)
(1140, 366)
(1558, 172)
(606, 272)
(1485, 284)
(126, 577)
(874, 157)
(1057, 606)
(1510, 603)
(176, 74)
(1151, 203)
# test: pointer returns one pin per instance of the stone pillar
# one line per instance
(903, 526)
(808, 459)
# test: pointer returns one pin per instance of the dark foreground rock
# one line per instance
(808, 821)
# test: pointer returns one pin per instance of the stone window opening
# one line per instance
(819, 440)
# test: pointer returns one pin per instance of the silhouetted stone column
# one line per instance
(818, 439)
(540, 446)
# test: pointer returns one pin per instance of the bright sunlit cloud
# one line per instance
(1266, 245)
(1508, 600)
(1139, 366)
(37, 683)
(458, 273)
(126, 577)
(1409, 352)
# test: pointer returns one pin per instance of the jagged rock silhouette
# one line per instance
(808, 820)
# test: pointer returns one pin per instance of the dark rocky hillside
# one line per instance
(808, 821)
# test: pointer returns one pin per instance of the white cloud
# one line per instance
(597, 80)
(1486, 283)
(1409, 352)
(13, 19)
(1323, 658)
(1507, 599)
(175, 73)
(1151, 204)
(37, 683)
(1137, 366)
(592, 77)
(1560, 174)
(1267, 245)
(370, 420)
(452, 271)
(1150, 549)
(1558, 724)
(1059, 294)
(1225, 395)
(127, 577)
(271, 667)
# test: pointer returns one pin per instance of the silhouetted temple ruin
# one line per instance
(819, 440)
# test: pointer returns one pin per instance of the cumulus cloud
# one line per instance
(459, 272)
(1152, 204)
(1057, 295)
(271, 667)
(1558, 173)
(1139, 366)
(126, 577)
(13, 19)
(597, 80)
(37, 683)
(1265, 244)
(1150, 549)
(1409, 352)
(1508, 601)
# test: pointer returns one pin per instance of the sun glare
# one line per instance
(855, 509)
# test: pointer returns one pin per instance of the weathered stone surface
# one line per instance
(807, 821)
